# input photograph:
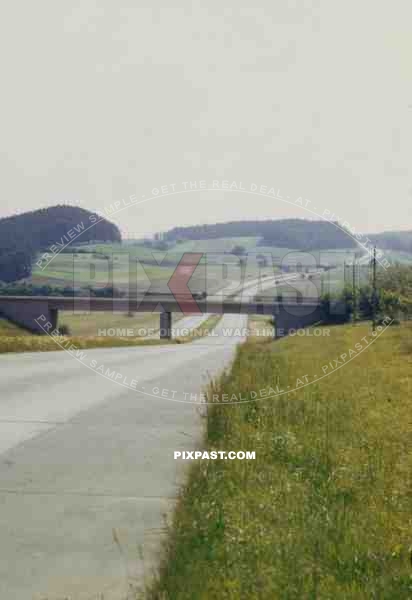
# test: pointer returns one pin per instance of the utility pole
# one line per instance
(354, 289)
(374, 292)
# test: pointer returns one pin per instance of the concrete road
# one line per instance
(86, 465)
(189, 322)
(257, 286)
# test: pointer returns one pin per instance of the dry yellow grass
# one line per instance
(46, 343)
(85, 324)
(43, 343)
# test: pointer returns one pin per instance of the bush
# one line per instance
(65, 330)
(238, 250)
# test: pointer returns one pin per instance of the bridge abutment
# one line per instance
(289, 318)
(27, 313)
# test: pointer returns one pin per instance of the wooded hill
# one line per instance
(299, 234)
(23, 236)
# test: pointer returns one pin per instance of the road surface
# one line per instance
(86, 465)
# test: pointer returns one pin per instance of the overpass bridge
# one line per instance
(40, 314)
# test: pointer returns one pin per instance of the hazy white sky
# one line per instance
(112, 97)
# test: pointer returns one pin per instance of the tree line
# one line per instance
(392, 298)
(400, 241)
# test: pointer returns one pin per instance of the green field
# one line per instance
(102, 265)
(325, 510)
(91, 269)
(85, 269)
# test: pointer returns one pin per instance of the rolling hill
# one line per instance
(300, 234)
(22, 236)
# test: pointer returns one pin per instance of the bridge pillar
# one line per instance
(165, 325)
(54, 318)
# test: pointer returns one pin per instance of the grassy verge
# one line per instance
(45, 343)
(325, 510)
(204, 330)
(260, 327)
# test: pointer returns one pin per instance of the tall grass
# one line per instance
(325, 510)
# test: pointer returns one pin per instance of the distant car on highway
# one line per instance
(199, 295)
